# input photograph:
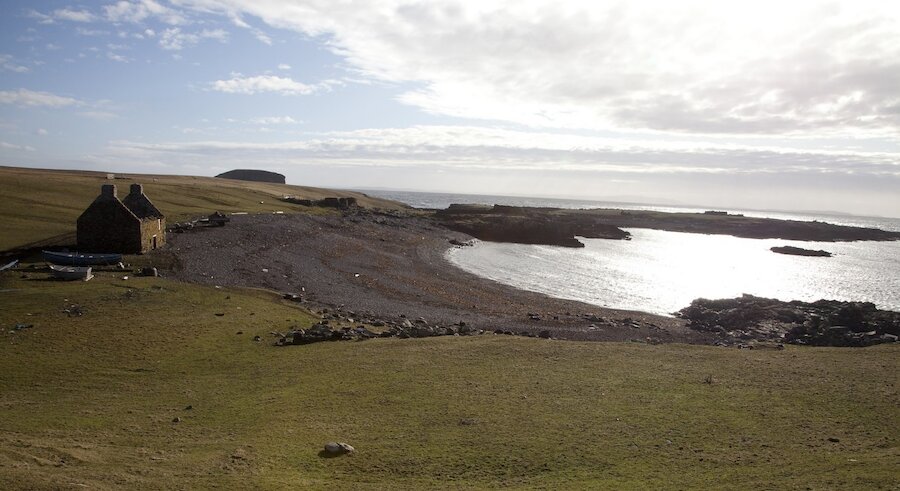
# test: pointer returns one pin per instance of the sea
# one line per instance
(662, 272)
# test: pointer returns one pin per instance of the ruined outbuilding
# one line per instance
(129, 226)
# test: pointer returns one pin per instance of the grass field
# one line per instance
(42, 205)
(89, 402)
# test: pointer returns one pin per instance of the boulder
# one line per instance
(334, 449)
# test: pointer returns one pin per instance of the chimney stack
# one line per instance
(137, 189)
(108, 191)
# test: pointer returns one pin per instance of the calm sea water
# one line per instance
(661, 272)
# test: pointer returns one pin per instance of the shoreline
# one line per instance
(386, 267)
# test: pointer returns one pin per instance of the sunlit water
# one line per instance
(661, 272)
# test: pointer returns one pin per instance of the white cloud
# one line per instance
(270, 120)
(706, 67)
(117, 57)
(31, 98)
(41, 132)
(239, 84)
(10, 146)
(73, 15)
(39, 16)
(262, 37)
(174, 39)
(7, 63)
(141, 10)
(505, 150)
(90, 32)
(284, 66)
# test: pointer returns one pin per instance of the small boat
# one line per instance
(76, 259)
(70, 273)
(10, 265)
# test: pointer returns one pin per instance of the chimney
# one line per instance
(137, 189)
(108, 191)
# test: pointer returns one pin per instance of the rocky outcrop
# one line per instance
(799, 251)
(526, 225)
(402, 329)
(332, 202)
(820, 323)
(559, 226)
(253, 175)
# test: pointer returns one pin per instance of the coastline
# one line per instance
(381, 266)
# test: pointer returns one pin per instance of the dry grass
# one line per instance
(38, 205)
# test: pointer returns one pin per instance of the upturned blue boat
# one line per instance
(77, 259)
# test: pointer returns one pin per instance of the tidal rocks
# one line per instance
(820, 323)
(557, 226)
(526, 225)
(799, 251)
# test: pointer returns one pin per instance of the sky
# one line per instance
(791, 105)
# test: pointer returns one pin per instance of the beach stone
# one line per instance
(406, 323)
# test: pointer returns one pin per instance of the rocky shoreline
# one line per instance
(369, 273)
(820, 323)
(556, 226)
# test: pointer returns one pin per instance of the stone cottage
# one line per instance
(130, 226)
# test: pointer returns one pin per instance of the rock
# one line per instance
(149, 272)
(176, 419)
(334, 449)
(544, 334)
(820, 323)
(799, 251)
(834, 440)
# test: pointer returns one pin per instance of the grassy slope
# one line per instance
(90, 401)
(41, 204)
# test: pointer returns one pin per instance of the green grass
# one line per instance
(41, 206)
(90, 400)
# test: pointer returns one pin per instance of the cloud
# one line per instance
(31, 98)
(41, 132)
(691, 67)
(239, 84)
(174, 39)
(284, 66)
(10, 146)
(117, 57)
(505, 150)
(139, 11)
(269, 120)
(7, 63)
(73, 15)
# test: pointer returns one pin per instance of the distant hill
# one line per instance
(253, 175)
(39, 206)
